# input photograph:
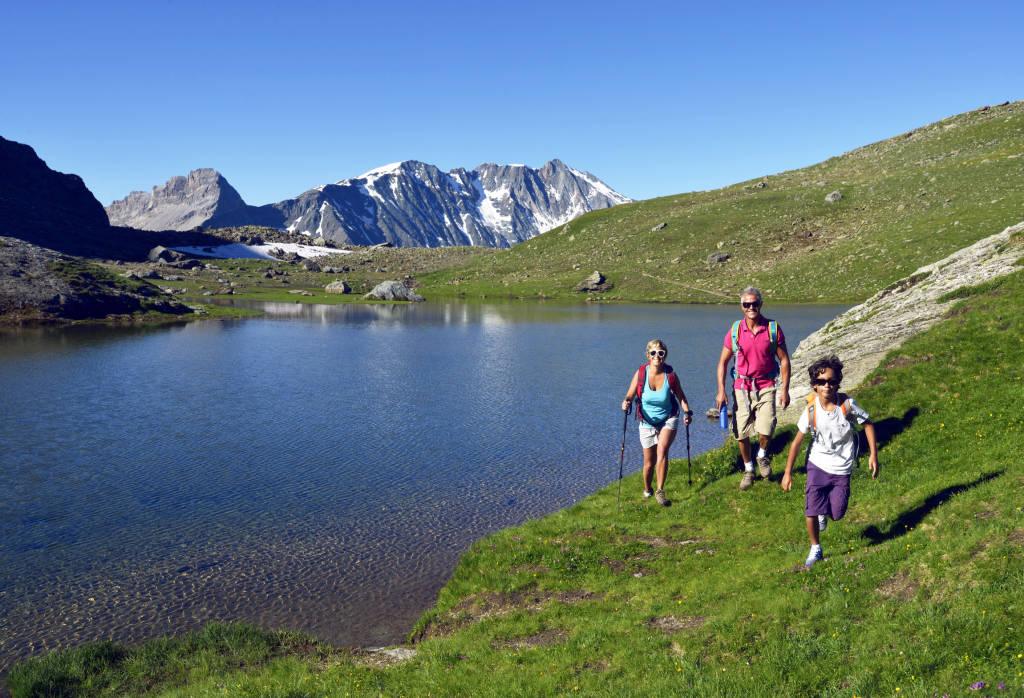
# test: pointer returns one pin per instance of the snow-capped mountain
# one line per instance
(407, 203)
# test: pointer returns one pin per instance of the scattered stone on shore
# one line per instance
(311, 265)
(393, 291)
(338, 287)
(833, 197)
(660, 226)
(718, 258)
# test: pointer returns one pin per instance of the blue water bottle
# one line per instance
(723, 418)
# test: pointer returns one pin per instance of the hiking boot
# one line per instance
(812, 557)
(659, 496)
(748, 480)
(764, 467)
(648, 494)
(822, 522)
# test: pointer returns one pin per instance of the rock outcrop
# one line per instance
(864, 334)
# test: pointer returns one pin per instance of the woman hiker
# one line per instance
(659, 396)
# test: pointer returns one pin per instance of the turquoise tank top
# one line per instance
(657, 404)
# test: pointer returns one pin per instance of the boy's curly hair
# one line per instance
(831, 361)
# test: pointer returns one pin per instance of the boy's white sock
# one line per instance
(749, 467)
(815, 549)
(761, 453)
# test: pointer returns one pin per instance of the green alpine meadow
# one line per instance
(902, 203)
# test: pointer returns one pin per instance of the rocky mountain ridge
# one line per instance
(408, 204)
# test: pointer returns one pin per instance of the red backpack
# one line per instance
(673, 385)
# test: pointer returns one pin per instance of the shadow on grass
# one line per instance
(886, 429)
(910, 519)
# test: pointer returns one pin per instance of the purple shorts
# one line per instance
(826, 494)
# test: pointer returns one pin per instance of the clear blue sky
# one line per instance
(655, 98)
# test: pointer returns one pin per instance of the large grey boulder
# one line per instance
(393, 291)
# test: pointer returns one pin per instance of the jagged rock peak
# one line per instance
(203, 197)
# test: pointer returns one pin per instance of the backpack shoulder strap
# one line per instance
(673, 380)
(735, 334)
(641, 381)
(773, 336)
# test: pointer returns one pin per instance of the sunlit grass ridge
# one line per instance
(905, 202)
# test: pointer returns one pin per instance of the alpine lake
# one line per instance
(319, 468)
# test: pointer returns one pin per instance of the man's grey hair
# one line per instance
(751, 291)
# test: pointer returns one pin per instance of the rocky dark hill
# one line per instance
(46, 207)
(57, 211)
(41, 285)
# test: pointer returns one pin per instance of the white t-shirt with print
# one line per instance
(834, 447)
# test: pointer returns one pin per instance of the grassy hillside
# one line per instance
(919, 594)
(906, 201)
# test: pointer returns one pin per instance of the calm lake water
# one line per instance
(320, 469)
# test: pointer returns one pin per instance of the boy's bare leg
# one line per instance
(812, 529)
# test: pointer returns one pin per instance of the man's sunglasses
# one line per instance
(660, 353)
(821, 381)
(751, 304)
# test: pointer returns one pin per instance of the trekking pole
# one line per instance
(689, 465)
(622, 455)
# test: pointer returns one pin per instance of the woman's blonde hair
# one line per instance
(655, 343)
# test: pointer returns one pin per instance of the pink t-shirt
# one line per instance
(755, 355)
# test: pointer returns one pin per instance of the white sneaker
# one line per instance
(812, 557)
(648, 494)
(822, 522)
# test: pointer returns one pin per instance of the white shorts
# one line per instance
(649, 434)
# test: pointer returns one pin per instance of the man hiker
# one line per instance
(761, 358)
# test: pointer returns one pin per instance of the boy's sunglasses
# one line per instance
(660, 353)
(819, 381)
(751, 304)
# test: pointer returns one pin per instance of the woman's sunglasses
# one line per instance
(821, 381)
(660, 353)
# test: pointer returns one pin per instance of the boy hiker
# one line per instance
(761, 357)
(829, 417)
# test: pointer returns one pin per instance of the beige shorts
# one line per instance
(755, 413)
